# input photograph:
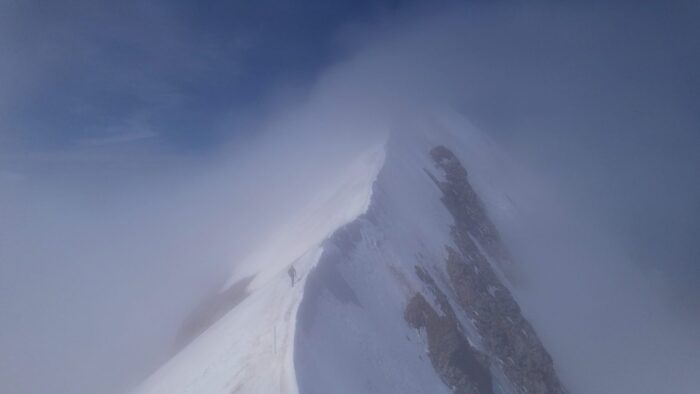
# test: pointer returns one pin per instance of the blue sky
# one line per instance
(101, 72)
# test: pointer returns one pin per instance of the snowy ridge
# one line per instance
(405, 285)
(250, 349)
(412, 297)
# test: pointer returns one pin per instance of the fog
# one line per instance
(106, 244)
(105, 251)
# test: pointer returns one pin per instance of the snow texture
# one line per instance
(341, 328)
(250, 349)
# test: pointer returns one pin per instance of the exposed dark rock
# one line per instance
(464, 204)
(459, 365)
(466, 289)
(506, 334)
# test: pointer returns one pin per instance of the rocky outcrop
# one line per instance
(459, 365)
(507, 336)
(460, 329)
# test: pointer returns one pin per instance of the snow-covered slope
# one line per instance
(405, 287)
(249, 349)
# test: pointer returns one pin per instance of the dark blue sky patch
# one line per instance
(174, 68)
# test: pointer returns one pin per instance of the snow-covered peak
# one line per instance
(249, 348)
(401, 285)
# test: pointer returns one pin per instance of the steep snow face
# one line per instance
(249, 349)
(404, 286)
(414, 296)
(352, 337)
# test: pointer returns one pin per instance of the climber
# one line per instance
(292, 274)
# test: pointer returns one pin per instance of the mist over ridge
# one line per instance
(110, 236)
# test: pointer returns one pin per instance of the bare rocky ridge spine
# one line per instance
(508, 337)
(460, 366)
(498, 352)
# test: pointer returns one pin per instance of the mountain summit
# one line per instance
(403, 285)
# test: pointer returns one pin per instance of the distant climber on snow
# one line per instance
(292, 274)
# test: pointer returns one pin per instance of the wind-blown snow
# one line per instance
(355, 249)
(250, 349)
(356, 340)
